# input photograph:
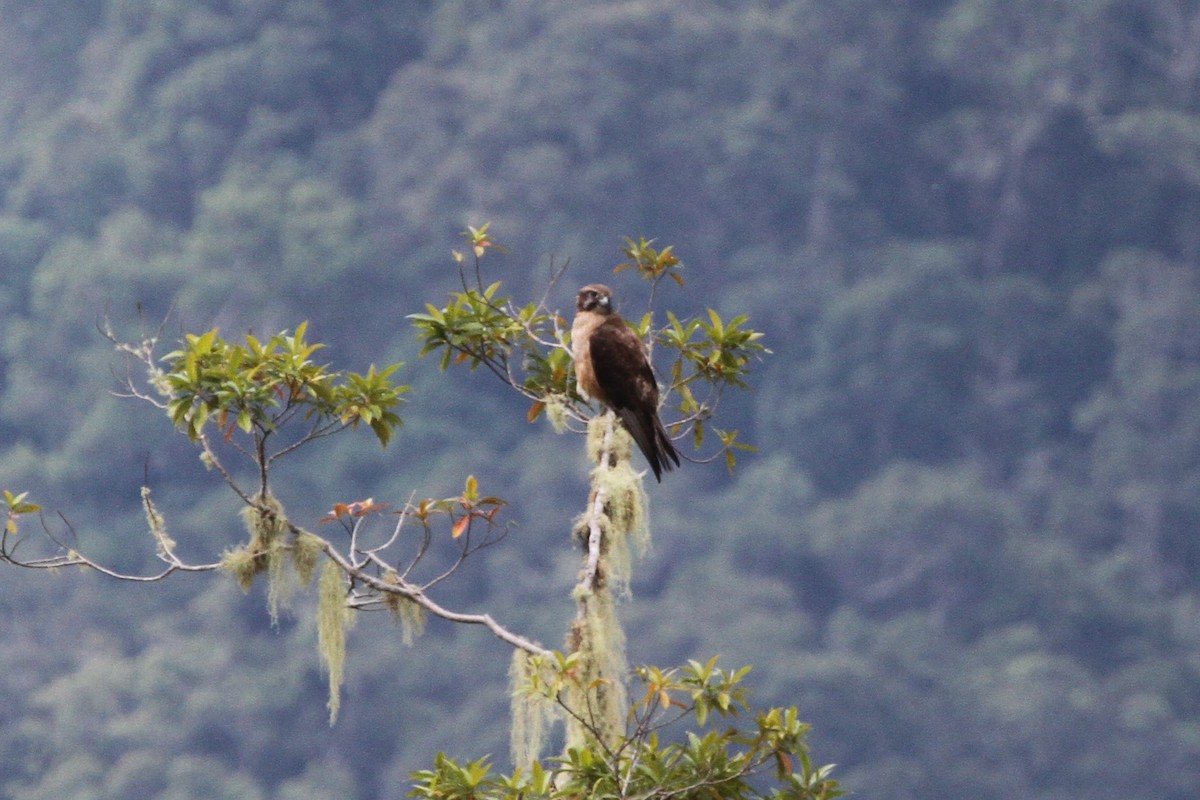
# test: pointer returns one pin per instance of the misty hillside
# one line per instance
(968, 545)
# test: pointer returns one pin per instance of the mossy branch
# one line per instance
(289, 556)
(597, 702)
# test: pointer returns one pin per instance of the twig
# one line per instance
(220, 468)
(395, 531)
(73, 558)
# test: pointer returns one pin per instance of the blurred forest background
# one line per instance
(968, 547)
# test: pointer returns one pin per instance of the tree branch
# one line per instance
(415, 594)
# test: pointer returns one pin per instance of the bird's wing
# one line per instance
(621, 367)
(623, 372)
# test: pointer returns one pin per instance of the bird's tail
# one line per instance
(652, 439)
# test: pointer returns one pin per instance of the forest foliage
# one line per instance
(967, 547)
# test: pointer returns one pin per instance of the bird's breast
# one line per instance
(584, 326)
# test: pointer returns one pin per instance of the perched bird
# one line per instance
(611, 365)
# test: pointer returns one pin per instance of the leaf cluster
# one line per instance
(15, 506)
(714, 354)
(650, 263)
(477, 327)
(766, 757)
(257, 386)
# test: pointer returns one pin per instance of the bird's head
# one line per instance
(594, 297)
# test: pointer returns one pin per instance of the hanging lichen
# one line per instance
(533, 710)
(333, 620)
(556, 412)
(281, 581)
(306, 555)
(268, 529)
(607, 442)
(242, 564)
(406, 611)
(289, 559)
(623, 522)
(266, 526)
(599, 694)
(265, 522)
(158, 526)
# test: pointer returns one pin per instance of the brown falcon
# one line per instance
(611, 365)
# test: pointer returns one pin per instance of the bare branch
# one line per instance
(418, 596)
(71, 557)
(555, 275)
(395, 531)
(426, 541)
(215, 462)
(317, 431)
